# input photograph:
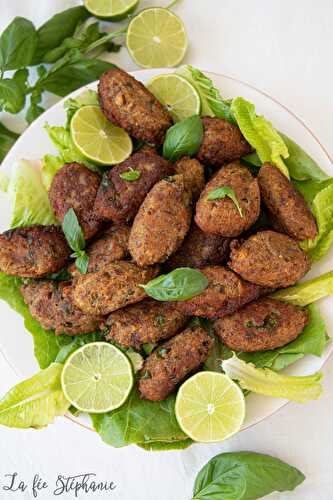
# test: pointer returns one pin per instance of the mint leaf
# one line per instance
(82, 262)
(17, 44)
(181, 284)
(130, 175)
(73, 231)
(183, 139)
(222, 192)
(7, 140)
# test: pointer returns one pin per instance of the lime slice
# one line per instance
(97, 378)
(113, 10)
(156, 38)
(179, 97)
(97, 138)
(210, 407)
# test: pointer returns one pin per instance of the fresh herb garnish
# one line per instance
(183, 139)
(181, 284)
(222, 192)
(160, 319)
(163, 352)
(130, 175)
(148, 348)
(75, 239)
(270, 322)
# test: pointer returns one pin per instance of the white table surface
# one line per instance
(285, 48)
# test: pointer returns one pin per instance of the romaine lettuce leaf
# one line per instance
(261, 134)
(50, 166)
(268, 382)
(86, 98)
(305, 293)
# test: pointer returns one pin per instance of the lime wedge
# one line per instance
(156, 38)
(97, 138)
(97, 378)
(210, 407)
(113, 10)
(179, 97)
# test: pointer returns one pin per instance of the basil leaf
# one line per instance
(222, 192)
(34, 110)
(183, 139)
(57, 28)
(181, 284)
(7, 139)
(244, 476)
(130, 175)
(12, 99)
(17, 44)
(82, 262)
(73, 232)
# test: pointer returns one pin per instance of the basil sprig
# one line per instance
(130, 175)
(183, 139)
(75, 239)
(244, 475)
(222, 192)
(181, 284)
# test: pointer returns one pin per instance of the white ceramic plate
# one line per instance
(16, 345)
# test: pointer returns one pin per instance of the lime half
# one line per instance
(113, 10)
(97, 378)
(210, 407)
(97, 138)
(179, 97)
(156, 38)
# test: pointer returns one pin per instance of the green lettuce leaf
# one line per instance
(268, 382)
(260, 133)
(50, 166)
(86, 98)
(28, 197)
(138, 421)
(36, 401)
(305, 293)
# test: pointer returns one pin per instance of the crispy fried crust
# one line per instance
(269, 259)
(162, 222)
(170, 363)
(75, 186)
(221, 216)
(199, 250)
(286, 204)
(261, 325)
(193, 173)
(51, 304)
(119, 200)
(225, 293)
(128, 103)
(115, 287)
(222, 142)
(33, 252)
(143, 323)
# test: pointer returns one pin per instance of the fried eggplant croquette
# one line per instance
(34, 251)
(113, 288)
(51, 304)
(221, 216)
(269, 259)
(128, 103)
(286, 204)
(226, 292)
(111, 245)
(193, 173)
(261, 325)
(199, 250)
(75, 186)
(147, 322)
(162, 222)
(170, 363)
(119, 200)
(222, 143)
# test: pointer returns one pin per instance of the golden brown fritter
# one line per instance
(222, 142)
(51, 304)
(118, 199)
(269, 259)
(115, 287)
(261, 325)
(193, 173)
(75, 186)
(162, 222)
(147, 322)
(34, 251)
(128, 103)
(170, 363)
(111, 245)
(286, 204)
(221, 216)
(199, 250)
(226, 292)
